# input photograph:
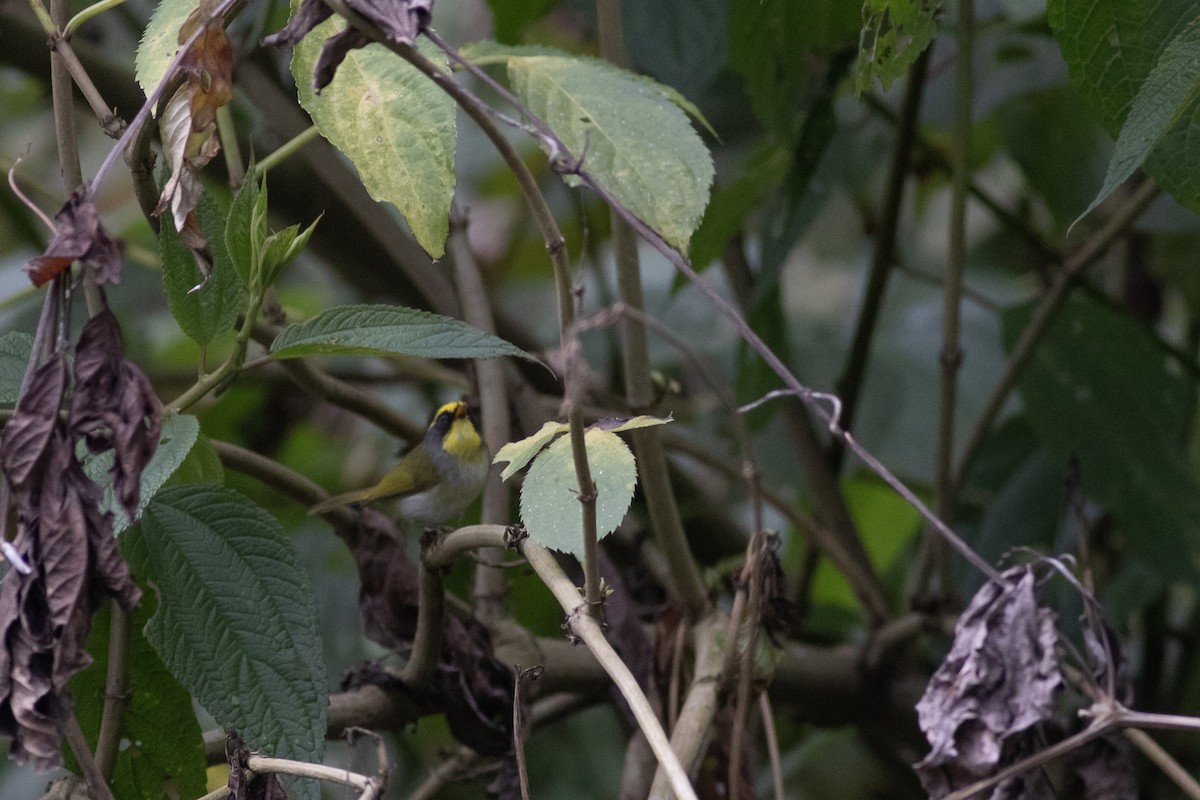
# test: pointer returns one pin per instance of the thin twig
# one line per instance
(489, 583)
(769, 733)
(1164, 761)
(883, 252)
(116, 691)
(97, 785)
(586, 627)
(1022, 352)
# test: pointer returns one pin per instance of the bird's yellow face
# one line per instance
(459, 436)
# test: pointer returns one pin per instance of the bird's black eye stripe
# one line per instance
(444, 419)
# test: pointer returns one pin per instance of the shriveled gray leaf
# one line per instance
(114, 406)
(998, 681)
(27, 435)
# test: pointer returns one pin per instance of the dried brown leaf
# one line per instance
(78, 236)
(998, 681)
(28, 434)
(114, 406)
(401, 21)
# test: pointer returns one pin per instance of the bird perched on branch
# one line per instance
(437, 479)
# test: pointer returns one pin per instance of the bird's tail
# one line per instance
(337, 501)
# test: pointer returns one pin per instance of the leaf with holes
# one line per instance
(393, 123)
(629, 131)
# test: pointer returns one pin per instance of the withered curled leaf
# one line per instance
(78, 236)
(62, 533)
(188, 123)
(28, 434)
(401, 21)
(114, 406)
(997, 682)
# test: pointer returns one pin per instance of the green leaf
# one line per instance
(772, 44)
(1111, 47)
(163, 740)
(202, 465)
(761, 175)
(1061, 149)
(241, 228)
(203, 309)
(894, 33)
(511, 17)
(1100, 390)
(550, 506)
(15, 348)
(633, 138)
(237, 624)
(621, 424)
(282, 247)
(521, 452)
(393, 123)
(683, 43)
(159, 42)
(389, 330)
(1168, 92)
(175, 442)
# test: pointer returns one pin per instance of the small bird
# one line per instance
(437, 479)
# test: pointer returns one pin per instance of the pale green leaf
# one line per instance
(628, 129)
(237, 622)
(15, 348)
(1168, 91)
(393, 123)
(550, 508)
(619, 424)
(160, 41)
(179, 435)
(521, 452)
(389, 330)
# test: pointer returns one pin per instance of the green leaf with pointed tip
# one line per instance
(1168, 92)
(15, 348)
(521, 452)
(237, 622)
(619, 424)
(160, 41)
(240, 233)
(628, 129)
(163, 743)
(1111, 47)
(550, 507)
(393, 123)
(177, 438)
(204, 309)
(281, 247)
(372, 330)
